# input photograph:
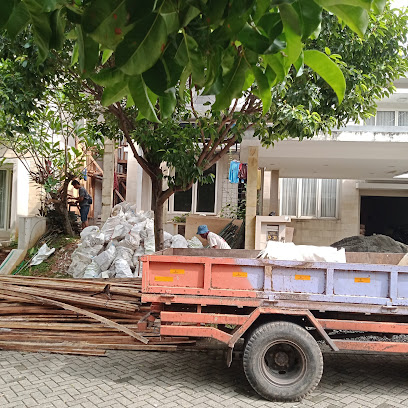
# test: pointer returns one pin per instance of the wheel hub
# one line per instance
(281, 359)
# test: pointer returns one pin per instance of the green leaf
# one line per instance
(107, 21)
(233, 84)
(183, 80)
(144, 99)
(189, 54)
(18, 20)
(108, 77)
(264, 89)
(252, 39)
(310, 15)
(328, 70)
(214, 12)
(277, 63)
(6, 9)
(355, 17)
(75, 55)
(88, 52)
(58, 22)
(41, 27)
(379, 5)
(366, 4)
(142, 46)
(167, 103)
(106, 55)
(292, 31)
(114, 93)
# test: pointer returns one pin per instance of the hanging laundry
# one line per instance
(233, 172)
(243, 171)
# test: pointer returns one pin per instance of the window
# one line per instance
(201, 198)
(388, 118)
(5, 186)
(312, 198)
(403, 118)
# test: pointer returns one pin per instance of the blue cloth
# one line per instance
(202, 229)
(233, 172)
(84, 211)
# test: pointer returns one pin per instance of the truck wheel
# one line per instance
(282, 361)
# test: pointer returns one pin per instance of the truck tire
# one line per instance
(282, 361)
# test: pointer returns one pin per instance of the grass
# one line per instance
(48, 267)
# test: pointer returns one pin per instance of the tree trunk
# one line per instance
(64, 209)
(157, 207)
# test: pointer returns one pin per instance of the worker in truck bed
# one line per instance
(213, 239)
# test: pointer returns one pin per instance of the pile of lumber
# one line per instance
(78, 316)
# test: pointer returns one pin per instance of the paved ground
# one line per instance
(186, 379)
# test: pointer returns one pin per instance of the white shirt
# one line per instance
(215, 240)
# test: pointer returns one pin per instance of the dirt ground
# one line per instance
(56, 266)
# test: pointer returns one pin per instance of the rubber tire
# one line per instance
(299, 340)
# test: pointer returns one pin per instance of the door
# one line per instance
(5, 199)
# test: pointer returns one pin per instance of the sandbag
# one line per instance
(92, 271)
(122, 269)
(194, 243)
(125, 254)
(178, 241)
(105, 258)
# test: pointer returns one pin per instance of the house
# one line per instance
(331, 187)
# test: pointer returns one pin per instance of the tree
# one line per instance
(43, 121)
(223, 45)
(227, 48)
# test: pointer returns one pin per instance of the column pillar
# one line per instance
(251, 197)
(274, 196)
(107, 184)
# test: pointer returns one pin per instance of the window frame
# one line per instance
(396, 117)
(194, 198)
(299, 199)
(7, 203)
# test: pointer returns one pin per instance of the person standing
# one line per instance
(84, 200)
(213, 239)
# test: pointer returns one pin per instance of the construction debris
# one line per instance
(114, 251)
(372, 243)
(77, 317)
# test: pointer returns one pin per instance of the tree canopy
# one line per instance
(146, 48)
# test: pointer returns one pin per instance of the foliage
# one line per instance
(306, 105)
(224, 46)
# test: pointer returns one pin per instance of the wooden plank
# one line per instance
(101, 319)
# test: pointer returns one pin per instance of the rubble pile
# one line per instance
(372, 243)
(114, 251)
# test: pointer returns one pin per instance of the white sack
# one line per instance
(77, 268)
(149, 244)
(43, 253)
(290, 252)
(94, 230)
(125, 254)
(178, 241)
(109, 227)
(92, 270)
(105, 258)
(121, 230)
(194, 243)
(122, 269)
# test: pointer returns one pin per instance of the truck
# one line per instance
(279, 310)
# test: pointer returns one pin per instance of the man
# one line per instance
(84, 200)
(213, 239)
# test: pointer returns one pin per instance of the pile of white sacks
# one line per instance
(115, 249)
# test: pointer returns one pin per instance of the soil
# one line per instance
(56, 266)
(4, 251)
(372, 243)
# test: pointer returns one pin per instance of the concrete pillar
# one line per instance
(266, 193)
(251, 197)
(274, 195)
(107, 184)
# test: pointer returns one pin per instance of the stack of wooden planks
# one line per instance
(77, 316)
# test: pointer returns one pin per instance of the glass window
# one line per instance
(370, 121)
(206, 194)
(403, 118)
(3, 199)
(385, 118)
(328, 198)
(309, 197)
(289, 196)
(199, 199)
(315, 198)
(183, 200)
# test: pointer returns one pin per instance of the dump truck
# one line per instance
(281, 309)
